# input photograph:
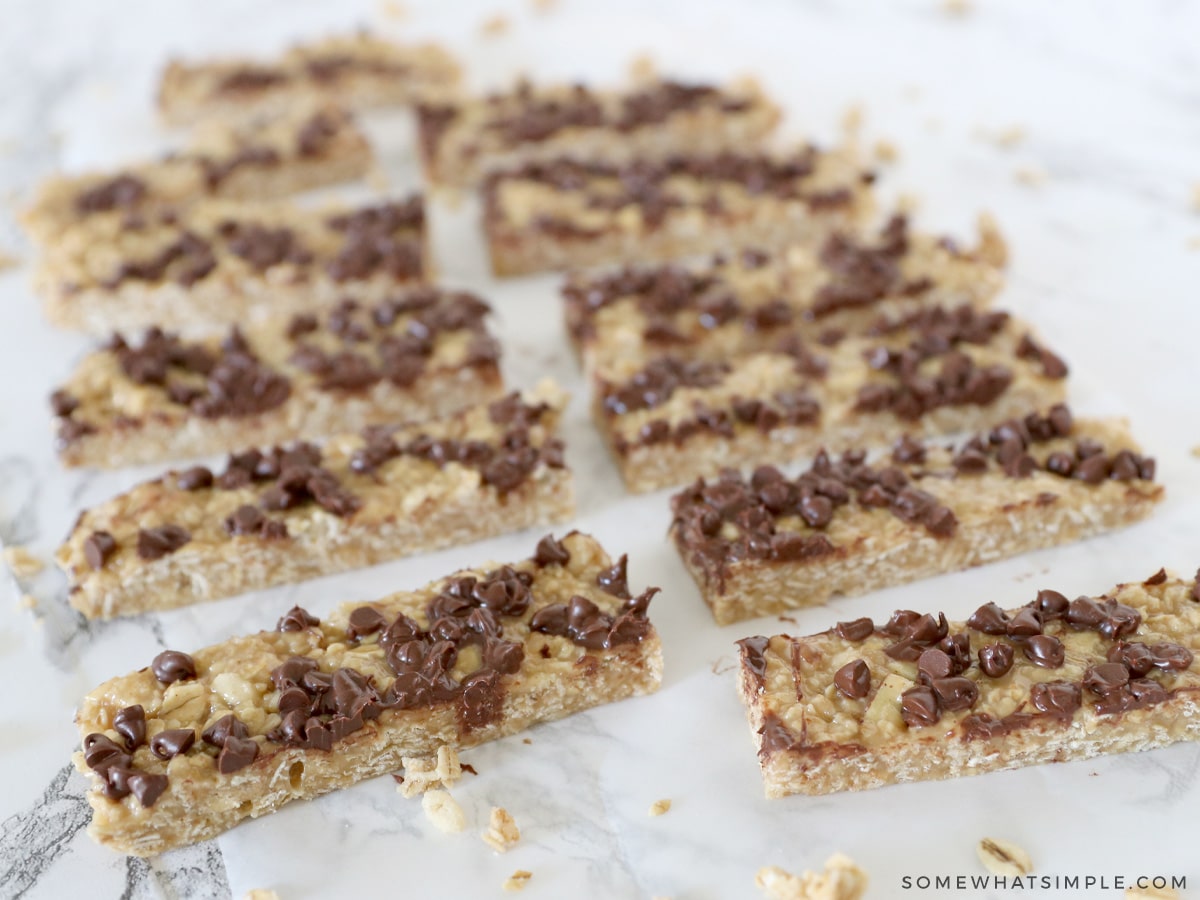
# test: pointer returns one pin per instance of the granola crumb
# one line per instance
(526, 741)
(424, 773)
(27, 602)
(1001, 857)
(957, 8)
(908, 203)
(494, 26)
(841, 879)
(502, 832)
(658, 807)
(377, 179)
(1151, 893)
(1031, 176)
(886, 151)
(642, 67)
(443, 811)
(517, 880)
(22, 563)
(992, 247)
(260, 894)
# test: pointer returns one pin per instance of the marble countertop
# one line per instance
(1096, 199)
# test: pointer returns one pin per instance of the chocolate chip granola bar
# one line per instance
(189, 746)
(301, 511)
(220, 261)
(933, 371)
(462, 141)
(919, 698)
(744, 301)
(763, 544)
(356, 70)
(416, 356)
(263, 158)
(563, 213)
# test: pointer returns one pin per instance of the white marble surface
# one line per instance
(1109, 96)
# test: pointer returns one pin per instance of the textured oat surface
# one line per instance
(557, 678)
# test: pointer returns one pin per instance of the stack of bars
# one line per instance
(364, 415)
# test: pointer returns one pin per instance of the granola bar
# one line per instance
(918, 698)
(763, 544)
(220, 261)
(300, 511)
(191, 745)
(358, 71)
(564, 213)
(416, 356)
(264, 158)
(744, 301)
(933, 371)
(462, 141)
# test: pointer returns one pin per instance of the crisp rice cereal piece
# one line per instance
(443, 811)
(502, 833)
(22, 563)
(517, 881)
(1001, 857)
(659, 807)
(841, 879)
(423, 773)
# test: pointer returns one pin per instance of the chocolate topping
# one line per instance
(97, 549)
(123, 192)
(855, 630)
(551, 552)
(236, 753)
(147, 787)
(853, 679)
(379, 240)
(1044, 650)
(919, 707)
(170, 743)
(297, 619)
(1056, 698)
(754, 657)
(130, 723)
(584, 623)
(172, 665)
(995, 659)
(155, 543)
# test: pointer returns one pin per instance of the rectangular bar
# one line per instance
(190, 745)
(919, 699)
(564, 214)
(738, 303)
(301, 511)
(764, 544)
(423, 354)
(221, 261)
(933, 371)
(462, 141)
(260, 159)
(358, 71)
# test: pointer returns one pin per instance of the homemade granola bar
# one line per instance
(356, 70)
(300, 511)
(263, 158)
(860, 705)
(763, 544)
(221, 261)
(933, 371)
(564, 213)
(461, 141)
(743, 301)
(189, 746)
(419, 355)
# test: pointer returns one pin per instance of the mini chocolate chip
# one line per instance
(63, 404)
(1171, 656)
(99, 546)
(1045, 650)
(853, 679)
(1026, 623)
(155, 543)
(1134, 655)
(1157, 578)
(130, 723)
(1105, 678)
(1060, 464)
(551, 552)
(194, 479)
(615, 579)
(172, 742)
(365, 620)
(995, 659)
(296, 619)
(100, 751)
(855, 630)
(1051, 604)
(171, 666)
(224, 729)
(236, 753)
(955, 693)
(919, 707)
(934, 664)
(244, 520)
(1058, 698)
(147, 787)
(1093, 469)
(990, 619)
(817, 511)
